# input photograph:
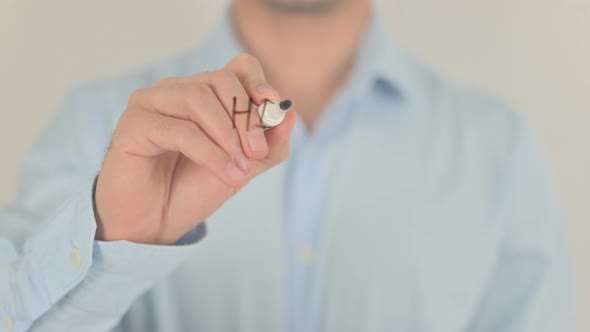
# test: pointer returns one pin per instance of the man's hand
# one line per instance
(176, 155)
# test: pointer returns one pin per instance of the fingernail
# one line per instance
(234, 172)
(242, 161)
(257, 140)
(266, 91)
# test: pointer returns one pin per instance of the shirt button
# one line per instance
(306, 255)
(7, 324)
(75, 257)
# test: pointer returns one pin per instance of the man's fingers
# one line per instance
(197, 103)
(279, 140)
(236, 101)
(241, 81)
(230, 93)
(164, 133)
(251, 75)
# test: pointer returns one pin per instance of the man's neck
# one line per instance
(306, 57)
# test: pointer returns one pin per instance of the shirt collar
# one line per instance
(381, 62)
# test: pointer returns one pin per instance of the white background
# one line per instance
(534, 53)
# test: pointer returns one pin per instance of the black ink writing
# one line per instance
(248, 111)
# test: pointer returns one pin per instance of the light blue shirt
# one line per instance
(472, 241)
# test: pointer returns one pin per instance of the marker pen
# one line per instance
(272, 113)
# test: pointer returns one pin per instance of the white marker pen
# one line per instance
(272, 113)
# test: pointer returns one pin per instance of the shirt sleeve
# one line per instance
(53, 275)
(532, 289)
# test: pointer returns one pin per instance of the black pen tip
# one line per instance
(285, 104)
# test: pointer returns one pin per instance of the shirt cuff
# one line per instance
(53, 261)
(143, 261)
(60, 253)
(99, 277)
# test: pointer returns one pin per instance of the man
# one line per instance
(406, 203)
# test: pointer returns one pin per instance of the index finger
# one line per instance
(251, 75)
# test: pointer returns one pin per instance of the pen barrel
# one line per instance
(271, 114)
